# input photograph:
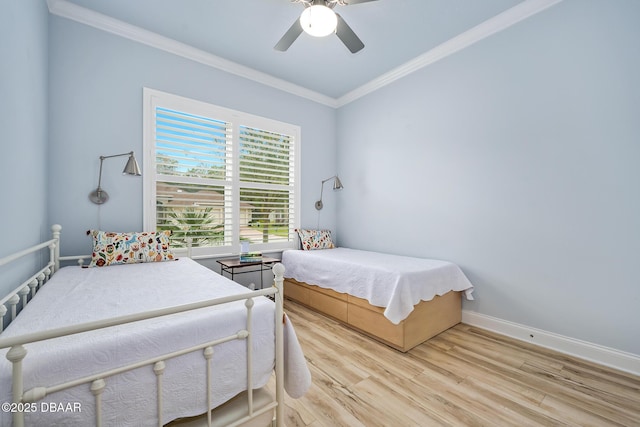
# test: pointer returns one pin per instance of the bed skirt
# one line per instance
(427, 319)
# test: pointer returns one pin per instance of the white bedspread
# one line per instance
(75, 295)
(391, 281)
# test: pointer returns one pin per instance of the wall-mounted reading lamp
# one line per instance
(99, 196)
(337, 185)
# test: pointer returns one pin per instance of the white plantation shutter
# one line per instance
(219, 176)
(266, 169)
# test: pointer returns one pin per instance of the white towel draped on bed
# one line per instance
(76, 295)
(297, 378)
(391, 281)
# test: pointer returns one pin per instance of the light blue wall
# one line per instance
(518, 158)
(96, 82)
(23, 124)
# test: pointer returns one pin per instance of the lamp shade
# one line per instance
(337, 185)
(318, 20)
(132, 168)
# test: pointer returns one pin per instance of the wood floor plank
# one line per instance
(604, 385)
(576, 416)
(550, 383)
(326, 402)
(433, 403)
(465, 376)
(474, 400)
(384, 396)
(590, 400)
(595, 400)
(503, 388)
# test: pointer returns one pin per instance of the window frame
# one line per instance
(153, 98)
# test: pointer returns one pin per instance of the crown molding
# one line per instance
(487, 28)
(66, 9)
(506, 19)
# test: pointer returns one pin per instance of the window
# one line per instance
(218, 176)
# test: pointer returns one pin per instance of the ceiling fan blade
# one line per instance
(348, 37)
(289, 37)
(350, 2)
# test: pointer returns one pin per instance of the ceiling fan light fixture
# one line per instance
(318, 20)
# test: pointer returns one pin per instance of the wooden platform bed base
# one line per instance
(427, 319)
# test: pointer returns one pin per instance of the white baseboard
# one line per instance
(606, 356)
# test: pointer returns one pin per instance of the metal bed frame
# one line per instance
(24, 292)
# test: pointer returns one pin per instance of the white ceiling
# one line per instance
(395, 32)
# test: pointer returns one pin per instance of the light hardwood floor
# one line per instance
(463, 377)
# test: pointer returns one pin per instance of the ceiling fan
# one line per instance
(318, 19)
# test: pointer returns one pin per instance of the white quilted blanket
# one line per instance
(76, 295)
(391, 281)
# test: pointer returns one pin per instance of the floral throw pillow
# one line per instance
(315, 239)
(128, 248)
